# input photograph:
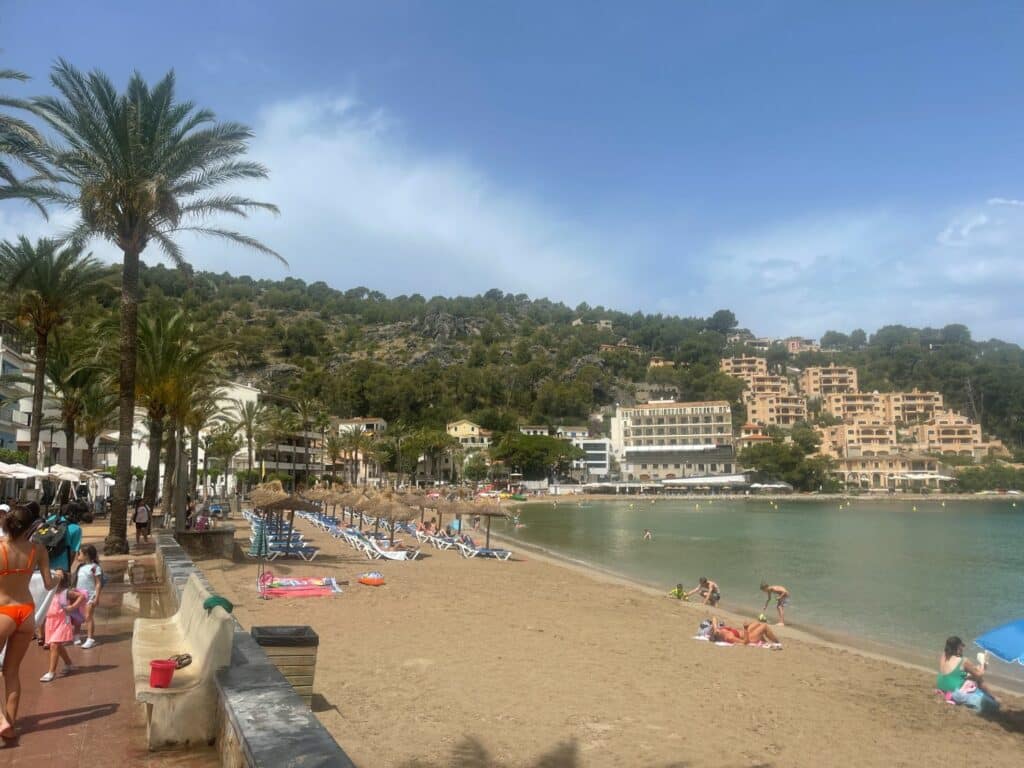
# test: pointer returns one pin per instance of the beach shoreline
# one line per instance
(740, 613)
(893, 498)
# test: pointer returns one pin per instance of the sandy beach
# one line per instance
(535, 663)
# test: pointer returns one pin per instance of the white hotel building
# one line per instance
(665, 440)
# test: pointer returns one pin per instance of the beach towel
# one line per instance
(720, 643)
(309, 586)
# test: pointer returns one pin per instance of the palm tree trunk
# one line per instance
(179, 487)
(90, 444)
(69, 442)
(38, 386)
(170, 464)
(117, 537)
(156, 440)
(248, 472)
(193, 470)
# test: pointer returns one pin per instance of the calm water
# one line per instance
(877, 570)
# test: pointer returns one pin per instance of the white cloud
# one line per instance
(1005, 201)
(361, 206)
(958, 233)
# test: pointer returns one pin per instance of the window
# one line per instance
(643, 466)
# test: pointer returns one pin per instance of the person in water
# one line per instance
(753, 632)
(20, 558)
(963, 679)
(781, 595)
(708, 590)
(647, 534)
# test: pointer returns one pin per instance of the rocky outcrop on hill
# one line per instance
(582, 362)
(443, 327)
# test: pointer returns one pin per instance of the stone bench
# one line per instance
(186, 712)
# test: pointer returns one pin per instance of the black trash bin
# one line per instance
(293, 650)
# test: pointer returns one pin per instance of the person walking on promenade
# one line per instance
(63, 618)
(19, 557)
(141, 517)
(781, 595)
(89, 581)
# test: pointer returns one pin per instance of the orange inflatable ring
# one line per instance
(371, 579)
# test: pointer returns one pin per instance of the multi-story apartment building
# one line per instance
(861, 437)
(767, 384)
(744, 367)
(852, 405)
(15, 395)
(781, 409)
(598, 459)
(472, 437)
(666, 439)
(950, 432)
(909, 407)
(819, 381)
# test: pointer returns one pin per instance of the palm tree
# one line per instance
(278, 424)
(359, 444)
(397, 432)
(202, 413)
(334, 447)
(47, 282)
(98, 415)
(19, 141)
(139, 167)
(309, 412)
(247, 416)
(68, 379)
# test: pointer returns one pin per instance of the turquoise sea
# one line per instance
(894, 574)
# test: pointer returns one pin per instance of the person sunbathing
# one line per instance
(753, 632)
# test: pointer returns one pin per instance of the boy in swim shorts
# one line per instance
(781, 595)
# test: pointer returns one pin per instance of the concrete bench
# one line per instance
(186, 712)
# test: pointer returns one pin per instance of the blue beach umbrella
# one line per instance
(1006, 643)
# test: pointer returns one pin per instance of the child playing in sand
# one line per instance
(781, 595)
(678, 593)
(708, 590)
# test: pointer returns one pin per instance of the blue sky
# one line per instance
(808, 165)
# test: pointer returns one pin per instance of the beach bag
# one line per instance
(76, 618)
(53, 536)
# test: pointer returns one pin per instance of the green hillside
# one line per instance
(501, 358)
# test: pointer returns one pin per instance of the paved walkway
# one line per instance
(90, 718)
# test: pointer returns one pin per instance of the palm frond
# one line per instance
(236, 237)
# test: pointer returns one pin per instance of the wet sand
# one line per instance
(533, 662)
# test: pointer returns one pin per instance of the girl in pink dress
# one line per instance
(62, 619)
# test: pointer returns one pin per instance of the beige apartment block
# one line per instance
(744, 367)
(853, 405)
(819, 381)
(909, 407)
(864, 437)
(767, 384)
(780, 409)
(950, 432)
(750, 435)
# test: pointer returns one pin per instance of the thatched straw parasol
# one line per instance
(267, 493)
(317, 494)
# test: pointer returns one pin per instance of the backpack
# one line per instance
(53, 536)
(76, 618)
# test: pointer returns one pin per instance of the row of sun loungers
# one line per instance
(374, 548)
(279, 542)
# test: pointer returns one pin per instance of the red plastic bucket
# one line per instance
(160, 673)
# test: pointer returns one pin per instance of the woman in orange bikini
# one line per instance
(18, 560)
